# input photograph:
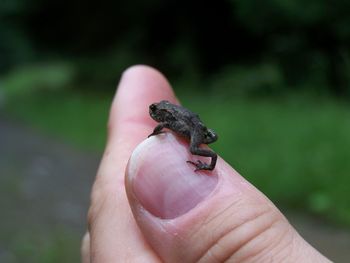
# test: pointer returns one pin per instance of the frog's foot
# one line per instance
(200, 165)
(155, 133)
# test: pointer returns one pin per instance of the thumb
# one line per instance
(203, 216)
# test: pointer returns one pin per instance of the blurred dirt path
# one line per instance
(44, 192)
(45, 183)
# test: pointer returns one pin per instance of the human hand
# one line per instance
(157, 209)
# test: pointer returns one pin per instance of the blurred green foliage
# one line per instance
(260, 80)
(306, 42)
(34, 246)
(79, 118)
(29, 79)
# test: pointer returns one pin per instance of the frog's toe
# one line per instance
(155, 133)
(199, 165)
(195, 164)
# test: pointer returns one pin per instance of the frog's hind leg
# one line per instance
(196, 140)
(204, 166)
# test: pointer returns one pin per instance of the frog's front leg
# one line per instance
(158, 128)
(196, 140)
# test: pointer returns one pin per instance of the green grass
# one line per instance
(295, 150)
(34, 246)
(79, 118)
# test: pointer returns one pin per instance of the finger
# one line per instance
(85, 249)
(114, 235)
(214, 216)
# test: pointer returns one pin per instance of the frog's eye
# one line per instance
(152, 107)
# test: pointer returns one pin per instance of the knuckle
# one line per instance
(255, 236)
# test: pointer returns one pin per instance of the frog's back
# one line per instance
(186, 115)
(177, 113)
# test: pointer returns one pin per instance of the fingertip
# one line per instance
(139, 86)
(141, 70)
(146, 81)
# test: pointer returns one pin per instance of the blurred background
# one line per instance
(271, 77)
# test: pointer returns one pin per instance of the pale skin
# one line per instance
(236, 223)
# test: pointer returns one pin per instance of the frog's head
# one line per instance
(210, 136)
(158, 110)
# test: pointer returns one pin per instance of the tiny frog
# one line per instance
(187, 124)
